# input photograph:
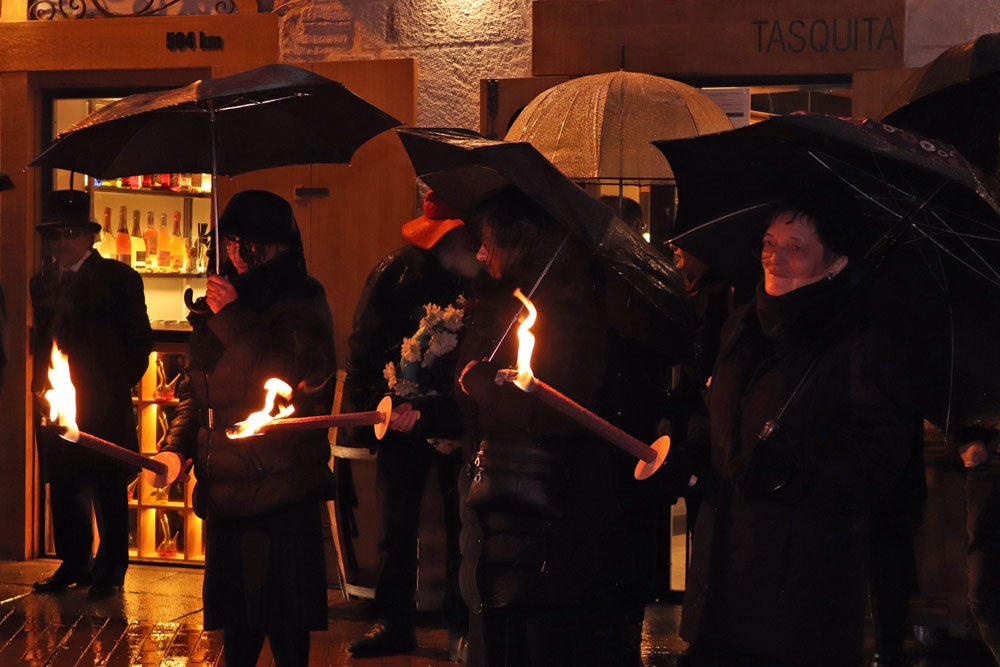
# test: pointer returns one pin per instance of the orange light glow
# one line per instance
(526, 343)
(62, 396)
(257, 420)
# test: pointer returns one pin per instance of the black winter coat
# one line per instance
(513, 560)
(389, 310)
(780, 547)
(100, 322)
(280, 326)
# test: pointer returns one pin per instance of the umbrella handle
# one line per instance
(193, 305)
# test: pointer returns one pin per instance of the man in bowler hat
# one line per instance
(94, 310)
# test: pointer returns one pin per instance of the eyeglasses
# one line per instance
(64, 233)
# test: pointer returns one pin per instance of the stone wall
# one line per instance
(456, 43)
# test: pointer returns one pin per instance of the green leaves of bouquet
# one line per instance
(435, 337)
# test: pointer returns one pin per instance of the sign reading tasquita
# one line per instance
(823, 35)
(706, 38)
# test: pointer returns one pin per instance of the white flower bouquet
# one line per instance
(435, 337)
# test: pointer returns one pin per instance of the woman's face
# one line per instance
(232, 246)
(495, 258)
(793, 255)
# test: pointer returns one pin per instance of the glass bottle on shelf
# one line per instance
(149, 236)
(123, 243)
(178, 248)
(138, 244)
(106, 247)
(163, 244)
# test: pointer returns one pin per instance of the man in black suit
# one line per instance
(94, 309)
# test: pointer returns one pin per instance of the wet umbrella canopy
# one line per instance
(931, 226)
(599, 126)
(270, 116)
(464, 168)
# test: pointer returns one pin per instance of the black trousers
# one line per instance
(402, 468)
(982, 504)
(73, 495)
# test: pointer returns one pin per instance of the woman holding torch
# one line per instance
(543, 557)
(259, 496)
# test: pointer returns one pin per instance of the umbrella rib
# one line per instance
(971, 249)
(994, 280)
(254, 103)
(858, 190)
(720, 218)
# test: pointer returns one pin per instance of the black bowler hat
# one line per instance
(66, 208)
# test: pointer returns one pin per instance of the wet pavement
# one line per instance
(157, 621)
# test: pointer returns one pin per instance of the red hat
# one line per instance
(437, 220)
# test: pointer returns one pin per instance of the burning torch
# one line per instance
(62, 415)
(272, 418)
(650, 457)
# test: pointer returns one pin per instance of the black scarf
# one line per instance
(818, 309)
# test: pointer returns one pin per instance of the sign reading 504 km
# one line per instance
(189, 41)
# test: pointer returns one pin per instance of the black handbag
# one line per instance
(519, 476)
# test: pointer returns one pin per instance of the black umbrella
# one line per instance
(5, 182)
(464, 168)
(270, 116)
(931, 225)
(956, 98)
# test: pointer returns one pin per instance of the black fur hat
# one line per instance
(261, 217)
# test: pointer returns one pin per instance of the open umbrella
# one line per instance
(270, 116)
(464, 168)
(932, 226)
(599, 126)
(5, 182)
(956, 98)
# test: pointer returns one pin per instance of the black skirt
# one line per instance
(266, 572)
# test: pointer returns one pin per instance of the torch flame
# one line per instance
(526, 343)
(256, 420)
(62, 395)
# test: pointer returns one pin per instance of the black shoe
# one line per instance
(60, 582)
(101, 591)
(383, 639)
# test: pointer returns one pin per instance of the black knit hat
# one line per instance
(66, 208)
(261, 217)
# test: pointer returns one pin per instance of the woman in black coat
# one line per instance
(259, 496)
(808, 430)
(541, 522)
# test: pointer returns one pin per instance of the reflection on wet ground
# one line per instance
(157, 621)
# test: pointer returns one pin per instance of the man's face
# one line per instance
(68, 244)
(457, 253)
